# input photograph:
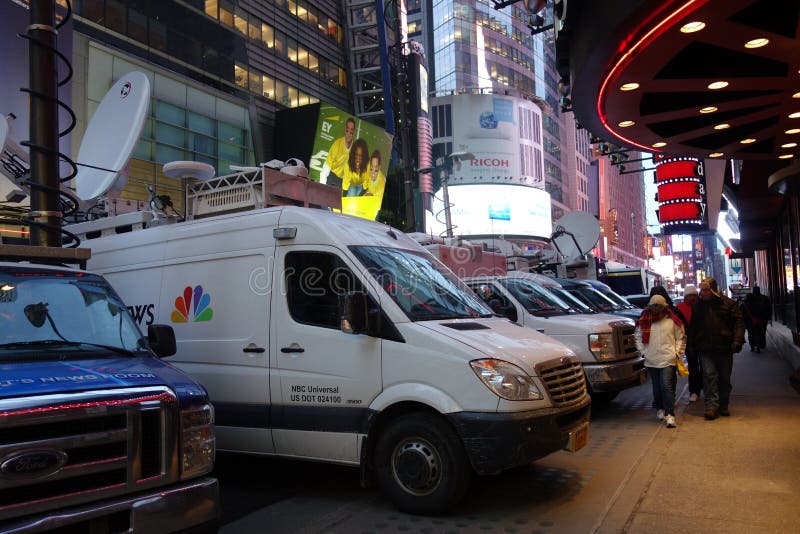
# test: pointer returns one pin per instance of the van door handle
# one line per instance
(540, 330)
(252, 347)
(294, 347)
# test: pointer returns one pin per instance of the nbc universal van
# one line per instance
(325, 337)
(604, 343)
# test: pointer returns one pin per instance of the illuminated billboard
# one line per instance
(681, 194)
(341, 150)
(492, 210)
(503, 133)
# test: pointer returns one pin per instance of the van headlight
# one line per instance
(602, 346)
(198, 441)
(506, 380)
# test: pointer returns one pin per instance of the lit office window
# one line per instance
(212, 8)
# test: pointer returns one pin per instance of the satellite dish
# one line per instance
(575, 234)
(111, 136)
(189, 170)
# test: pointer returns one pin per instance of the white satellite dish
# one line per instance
(575, 234)
(111, 136)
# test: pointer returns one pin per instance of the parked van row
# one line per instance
(330, 338)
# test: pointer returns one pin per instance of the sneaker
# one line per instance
(693, 397)
(724, 412)
(671, 421)
(660, 415)
(710, 415)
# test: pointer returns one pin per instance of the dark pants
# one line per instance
(663, 380)
(757, 336)
(717, 369)
(695, 374)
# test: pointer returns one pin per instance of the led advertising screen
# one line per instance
(681, 194)
(493, 210)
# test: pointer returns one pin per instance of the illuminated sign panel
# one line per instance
(494, 209)
(681, 194)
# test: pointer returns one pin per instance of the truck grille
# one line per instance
(564, 380)
(63, 450)
(624, 340)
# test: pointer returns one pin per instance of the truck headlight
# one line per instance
(198, 441)
(602, 345)
(506, 380)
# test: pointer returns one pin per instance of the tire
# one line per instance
(604, 398)
(421, 465)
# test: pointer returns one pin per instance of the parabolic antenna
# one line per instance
(575, 234)
(111, 136)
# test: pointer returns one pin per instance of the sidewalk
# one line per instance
(733, 474)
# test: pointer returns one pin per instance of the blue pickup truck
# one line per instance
(97, 434)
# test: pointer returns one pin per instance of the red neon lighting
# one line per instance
(677, 212)
(676, 169)
(20, 232)
(656, 31)
(678, 190)
(167, 397)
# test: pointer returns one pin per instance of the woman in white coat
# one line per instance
(661, 338)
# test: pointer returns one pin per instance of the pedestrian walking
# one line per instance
(716, 333)
(661, 339)
(757, 312)
(661, 290)
(695, 374)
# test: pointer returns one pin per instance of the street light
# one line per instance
(444, 173)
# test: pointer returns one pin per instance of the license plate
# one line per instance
(578, 438)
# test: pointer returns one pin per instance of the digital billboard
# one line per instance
(341, 150)
(494, 209)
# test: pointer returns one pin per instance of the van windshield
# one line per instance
(534, 298)
(422, 286)
(55, 314)
(595, 299)
(572, 300)
(614, 297)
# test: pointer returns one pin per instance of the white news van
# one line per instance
(604, 343)
(325, 337)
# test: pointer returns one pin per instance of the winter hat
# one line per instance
(689, 290)
(657, 300)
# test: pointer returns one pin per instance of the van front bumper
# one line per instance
(615, 376)
(192, 506)
(495, 442)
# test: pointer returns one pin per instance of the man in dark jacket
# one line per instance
(757, 311)
(716, 333)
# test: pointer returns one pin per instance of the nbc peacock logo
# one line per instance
(192, 306)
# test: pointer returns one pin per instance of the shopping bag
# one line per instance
(680, 364)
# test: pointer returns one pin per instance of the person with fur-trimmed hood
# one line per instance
(716, 333)
(661, 339)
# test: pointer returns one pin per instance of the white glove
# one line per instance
(323, 174)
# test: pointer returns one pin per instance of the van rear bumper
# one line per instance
(495, 442)
(192, 506)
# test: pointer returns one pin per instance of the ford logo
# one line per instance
(32, 464)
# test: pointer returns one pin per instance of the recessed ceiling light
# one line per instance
(788, 145)
(691, 27)
(629, 86)
(722, 126)
(796, 95)
(717, 85)
(756, 43)
(625, 124)
(792, 131)
(747, 141)
(785, 156)
(659, 144)
(795, 115)
(715, 154)
(708, 109)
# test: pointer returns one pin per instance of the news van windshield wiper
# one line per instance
(64, 343)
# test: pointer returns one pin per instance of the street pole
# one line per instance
(43, 125)
(448, 223)
(401, 77)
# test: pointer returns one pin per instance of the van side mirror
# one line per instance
(162, 340)
(354, 311)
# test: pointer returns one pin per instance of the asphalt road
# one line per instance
(564, 492)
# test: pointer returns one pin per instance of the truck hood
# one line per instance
(500, 338)
(564, 325)
(70, 376)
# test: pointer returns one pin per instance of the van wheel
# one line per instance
(421, 465)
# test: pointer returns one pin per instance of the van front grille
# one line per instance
(624, 339)
(64, 450)
(564, 380)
